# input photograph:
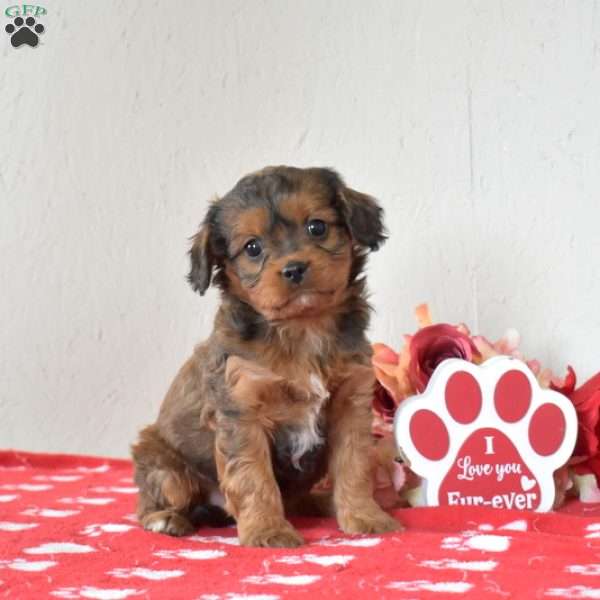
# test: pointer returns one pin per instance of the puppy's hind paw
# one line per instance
(371, 521)
(167, 521)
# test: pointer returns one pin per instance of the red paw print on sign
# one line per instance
(487, 436)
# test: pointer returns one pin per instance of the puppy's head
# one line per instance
(286, 241)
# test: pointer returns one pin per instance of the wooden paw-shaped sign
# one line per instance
(486, 436)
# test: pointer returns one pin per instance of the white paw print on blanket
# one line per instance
(472, 540)
(95, 593)
(97, 529)
(591, 569)
(8, 497)
(215, 539)
(487, 542)
(116, 489)
(99, 469)
(20, 564)
(234, 596)
(575, 591)
(460, 565)
(593, 531)
(58, 478)
(87, 500)
(151, 574)
(191, 554)
(422, 585)
(27, 487)
(50, 513)
(339, 560)
(10, 526)
(276, 579)
(60, 548)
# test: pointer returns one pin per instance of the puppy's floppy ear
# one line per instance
(364, 218)
(202, 260)
(203, 256)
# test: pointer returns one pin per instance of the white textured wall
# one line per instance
(476, 124)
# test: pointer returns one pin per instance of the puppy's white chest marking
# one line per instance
(307, 436)
(316, 384)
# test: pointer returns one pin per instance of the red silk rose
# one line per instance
(586, 399)
(431, 345)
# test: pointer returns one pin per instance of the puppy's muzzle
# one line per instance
(294, 272)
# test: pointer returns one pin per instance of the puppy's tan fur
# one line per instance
(280, 394)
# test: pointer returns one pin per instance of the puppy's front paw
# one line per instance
(167, 521)
(367, 520)
(271, 535)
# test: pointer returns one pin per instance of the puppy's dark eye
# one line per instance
(316, 228)
(253, 248)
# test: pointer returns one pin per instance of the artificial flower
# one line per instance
(434, 344)
(586, 400)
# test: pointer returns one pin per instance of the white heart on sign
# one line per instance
(527, 483)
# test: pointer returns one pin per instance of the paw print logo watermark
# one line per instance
(24, 28)
(487, 436)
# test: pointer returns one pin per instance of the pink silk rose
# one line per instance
(508, 345)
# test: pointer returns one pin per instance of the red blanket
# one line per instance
(67, 530)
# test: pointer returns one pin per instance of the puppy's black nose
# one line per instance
(294, 271)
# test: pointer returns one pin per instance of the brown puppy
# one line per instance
(280, 394)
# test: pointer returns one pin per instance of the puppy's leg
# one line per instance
(168, 489)
(243, 456)
(246, 476)
(349, 460)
